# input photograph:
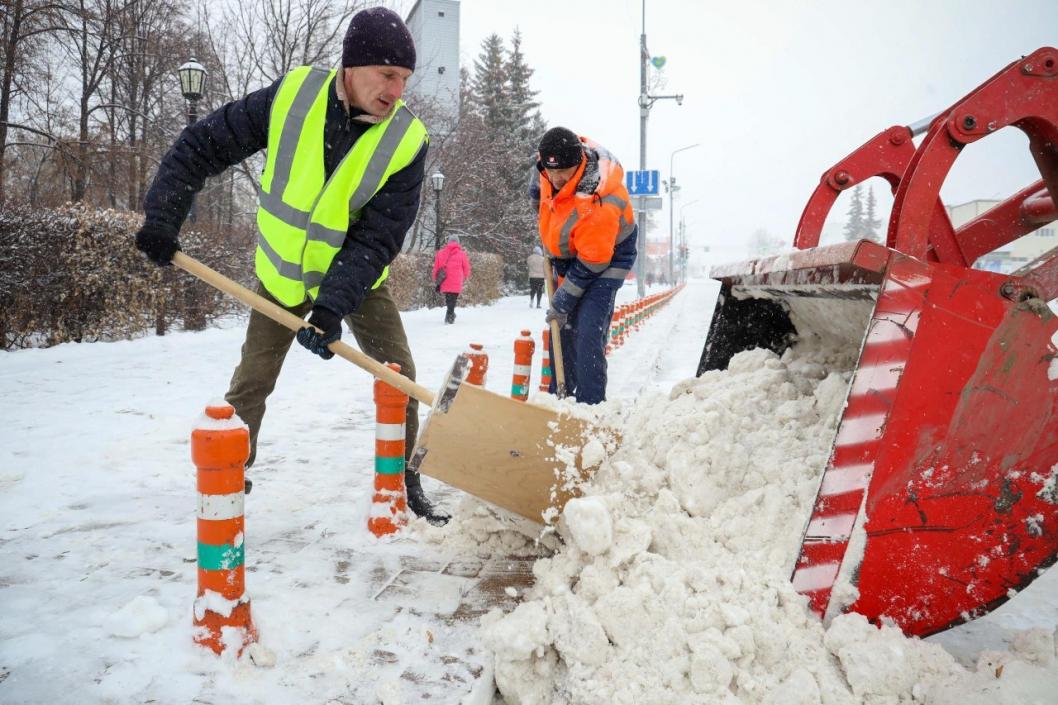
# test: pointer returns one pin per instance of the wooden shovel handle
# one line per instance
(286, 318)
(556, 335)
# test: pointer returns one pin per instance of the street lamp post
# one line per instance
(193, 85)
(438, 180)
(646, 101)
(672, 193)
(683, 238)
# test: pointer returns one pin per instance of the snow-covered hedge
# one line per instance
(74, 274)
(411, 285)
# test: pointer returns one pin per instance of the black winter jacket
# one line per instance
(237, 130)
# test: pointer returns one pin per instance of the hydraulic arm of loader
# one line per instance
(945, 459)
(885, 155)
(1023, 95)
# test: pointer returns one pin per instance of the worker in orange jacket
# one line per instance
(587, 229)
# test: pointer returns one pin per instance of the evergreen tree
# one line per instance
(489, 87)
(855, 226)
(871, 222)
(524, 113)
(466, 92)
(487, 160)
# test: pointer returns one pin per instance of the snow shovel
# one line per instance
(939, 500)
(526, 460)
(507, 452)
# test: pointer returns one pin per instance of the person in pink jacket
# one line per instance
(451, 268)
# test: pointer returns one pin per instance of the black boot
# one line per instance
(418, 502)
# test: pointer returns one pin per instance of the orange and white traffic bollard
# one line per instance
(389, 505)
(479, 364)
(622, 325)
(545, 362)
(524, 347)
(220, 445)
(611, 333)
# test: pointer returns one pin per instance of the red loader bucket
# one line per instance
(945, 455)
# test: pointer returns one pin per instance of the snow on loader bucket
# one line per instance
(945, 460)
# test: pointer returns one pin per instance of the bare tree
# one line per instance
(250, 45)
(149, 32)
(20, 20)
(41, 115)
(90, 40)
(275, 36)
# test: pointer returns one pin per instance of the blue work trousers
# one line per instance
(584, 343)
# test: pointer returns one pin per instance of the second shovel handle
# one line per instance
(556, 334)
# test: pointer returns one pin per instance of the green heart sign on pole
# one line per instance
(657, 61)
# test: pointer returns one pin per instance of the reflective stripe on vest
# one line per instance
(302, 220)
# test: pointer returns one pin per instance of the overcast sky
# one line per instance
(775, 92)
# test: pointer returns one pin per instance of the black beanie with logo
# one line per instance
(560, 149)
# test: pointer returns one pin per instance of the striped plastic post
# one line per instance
(545, 362)
(220, 445)
(611, 333)
(524, 347)
(389, 504)
(479, 364)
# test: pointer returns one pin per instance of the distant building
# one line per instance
(434, 25)
(656, 262)
(1013, 255)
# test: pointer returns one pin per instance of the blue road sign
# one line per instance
(643, 183)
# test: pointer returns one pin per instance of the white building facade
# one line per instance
(434, 25)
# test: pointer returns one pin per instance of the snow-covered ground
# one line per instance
(97, 507)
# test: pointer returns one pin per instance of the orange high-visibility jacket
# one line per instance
(591, 214)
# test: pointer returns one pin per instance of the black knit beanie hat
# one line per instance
(560, 149)
(378, 37)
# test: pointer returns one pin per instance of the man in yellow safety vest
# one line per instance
(340, 189)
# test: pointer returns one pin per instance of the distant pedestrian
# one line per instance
(535, 261)
(451, 268)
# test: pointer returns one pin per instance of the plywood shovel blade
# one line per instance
(518, 456)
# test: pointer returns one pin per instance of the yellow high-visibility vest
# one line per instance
(301, 218)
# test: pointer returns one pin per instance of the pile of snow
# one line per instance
(143, 615)
(673, 582)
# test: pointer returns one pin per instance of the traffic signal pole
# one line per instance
(644, 111)
(645, 102)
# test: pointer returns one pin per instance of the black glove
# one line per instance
(562, 303)
(158, 245)
(315, 341)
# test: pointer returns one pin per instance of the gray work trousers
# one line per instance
(378, 331)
